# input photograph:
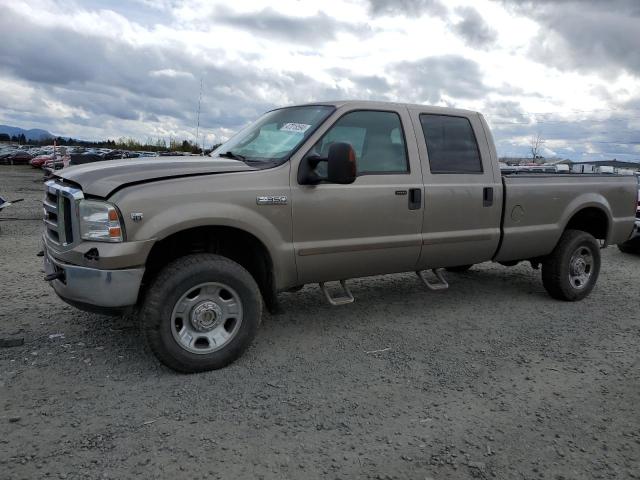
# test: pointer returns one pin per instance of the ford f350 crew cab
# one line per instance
(312, 194)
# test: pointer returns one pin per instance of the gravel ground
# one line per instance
(491, 379)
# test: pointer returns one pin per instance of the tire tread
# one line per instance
(153, 305)
(554, 266)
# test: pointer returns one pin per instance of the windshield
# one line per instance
(275, 135)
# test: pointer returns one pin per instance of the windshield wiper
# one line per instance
(249, 161)
(234, 156)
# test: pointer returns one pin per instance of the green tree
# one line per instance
(161, 143)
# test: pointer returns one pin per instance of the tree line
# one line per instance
(122, 143)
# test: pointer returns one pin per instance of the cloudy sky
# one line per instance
(568, 70)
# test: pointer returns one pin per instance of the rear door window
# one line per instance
(451, 144)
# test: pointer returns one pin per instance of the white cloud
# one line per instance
(170, 72)
(98, 68)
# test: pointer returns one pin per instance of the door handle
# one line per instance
(415, 198)
(487, 196)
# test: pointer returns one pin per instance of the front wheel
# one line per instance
(570, 272)
(201, 313)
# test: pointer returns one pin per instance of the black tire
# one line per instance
(169, 286)
(628, 247)
(295, 289)
(459, 268)
(556, 268)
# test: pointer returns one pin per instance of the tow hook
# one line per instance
(59, 275)
(92, 254)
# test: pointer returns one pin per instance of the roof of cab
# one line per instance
(371, 104)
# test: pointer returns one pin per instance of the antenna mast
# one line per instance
(198, 117)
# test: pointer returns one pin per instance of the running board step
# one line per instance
(335, 301)
(442, 283)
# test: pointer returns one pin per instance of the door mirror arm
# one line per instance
(307, 174)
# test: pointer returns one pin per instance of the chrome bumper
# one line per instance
(90, 286)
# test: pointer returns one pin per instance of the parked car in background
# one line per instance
(114, 155)
(86, 157)
(39, 161)
(6, 151)
(52, 158)
(18, 157)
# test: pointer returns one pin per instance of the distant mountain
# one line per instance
(32, 134)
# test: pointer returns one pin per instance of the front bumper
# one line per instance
(94, 287)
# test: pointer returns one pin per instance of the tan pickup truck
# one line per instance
(313, 194)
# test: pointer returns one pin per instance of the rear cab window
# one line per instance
(451, 144)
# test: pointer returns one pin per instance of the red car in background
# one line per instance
(39, 161)
(60, 160)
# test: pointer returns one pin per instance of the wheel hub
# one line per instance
(205, 316)
(579, 266)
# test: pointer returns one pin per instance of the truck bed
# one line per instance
(538, 206)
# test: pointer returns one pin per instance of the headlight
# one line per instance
(99, 221)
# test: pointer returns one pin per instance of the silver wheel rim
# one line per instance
(206, 317)
(581, 267)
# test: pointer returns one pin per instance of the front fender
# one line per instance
(166, 207)
(182, 217)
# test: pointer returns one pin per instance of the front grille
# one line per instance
(60, 213)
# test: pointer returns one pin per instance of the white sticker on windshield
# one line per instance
(295, 127)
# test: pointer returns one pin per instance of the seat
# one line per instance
(382, 155)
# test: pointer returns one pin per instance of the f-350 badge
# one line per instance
(272, 200)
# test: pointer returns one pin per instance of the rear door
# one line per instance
(463, 191)
(373, 225)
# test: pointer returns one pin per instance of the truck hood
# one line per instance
(102, 178)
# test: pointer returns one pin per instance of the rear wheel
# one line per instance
(459, 268)
(630, 247)
(201, 312)
(570, 272)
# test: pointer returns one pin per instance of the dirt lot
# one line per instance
(491, 379)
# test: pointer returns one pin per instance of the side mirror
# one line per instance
(341, 161)
(341, 166)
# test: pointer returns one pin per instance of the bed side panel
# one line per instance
(538, 207)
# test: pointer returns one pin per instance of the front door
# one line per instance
(373, 225)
